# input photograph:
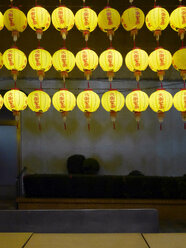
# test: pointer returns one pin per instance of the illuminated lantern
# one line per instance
(179, 61)
(1, 60)
(109, 21)
(160, 102)
(178, 21)
(159, 61)
(132, 20)
(87, 61)
(63, 61)
(137, 61)
(64, 101)
(15, 101)
(111, 61)
(157, 20)
(113, 101)
(39, 20)
(39, 102)
(88, 101)
(86, 21)
(15, 61)
(1, 101)
(180, 104)
(15, 21)
(63, 20)
(137, 101)
(41, 61)
(1, 21)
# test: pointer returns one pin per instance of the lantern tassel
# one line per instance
(64, 115)
(161, 116)
(88, 117)
(161, 126)
(39, 114)
(185, 125)
(16, 114)
(65, 126)
(114, 125)
(113, 115)
(138, 125)
(88, 126)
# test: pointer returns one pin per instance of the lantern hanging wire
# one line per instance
(180, 2)
(131, 1)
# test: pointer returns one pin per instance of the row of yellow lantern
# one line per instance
(86, 20)
(87, 60)
(88, 102)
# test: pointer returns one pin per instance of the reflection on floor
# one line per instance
(165, 226)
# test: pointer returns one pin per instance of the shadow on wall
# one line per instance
(37, 165)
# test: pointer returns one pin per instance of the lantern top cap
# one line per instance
(183, 89)
(158, 48)
(14, 46)
(63, 89)
(158, 6)
(39, 47)
(132, 6)
(86, 48)
(136, 48)
(14, 7)
(63, 48)
(113, 90)
(110, 48)
(136, 89)
(38, 90)
(88, 89)
(86, 7)
(183, 47)
(107, 7)
(14, 89)
(161, 89)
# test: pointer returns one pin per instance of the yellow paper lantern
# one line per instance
(160, 102)
(132, 20)
(179, 61)
(41, 61)
(15, 21)
(15, 61)
(159, 61)
(63, 20)
(180, 104)
(87, 61)
(1, 21)
(113, 101)
(157, 20)
(88, 101)
(1, 60)
(86, 21)
(137, 101)
(64, 101)
(63, 61)
(137, 61)
(39, 20)
(178, 21)
(111, 61)
(39, 101)
(1, 101)
(109, 21)
(15, 101)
